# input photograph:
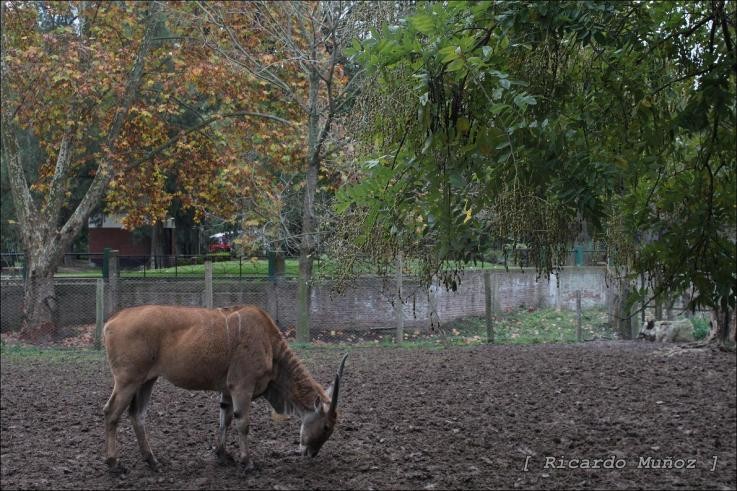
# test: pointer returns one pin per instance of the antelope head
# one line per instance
(648, 331)
(318, 425)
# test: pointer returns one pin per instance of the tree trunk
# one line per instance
(280, 265)
(40, 305)
(157, 246)
(624, 312)
(723, 327)
(658, 308)
(304, 294)
(306, 255)
(307, 246)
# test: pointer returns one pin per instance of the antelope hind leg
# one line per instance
(226, 416)
(119, 400)
(137, 413)
(241, 413)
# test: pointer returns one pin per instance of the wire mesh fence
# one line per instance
(373, 309)
(75, 307)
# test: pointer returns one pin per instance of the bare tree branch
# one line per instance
(58, 185)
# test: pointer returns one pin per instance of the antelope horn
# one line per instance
(336, 385)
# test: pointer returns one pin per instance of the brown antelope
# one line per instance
(237, 351)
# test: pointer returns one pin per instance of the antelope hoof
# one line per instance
(224, 458)
(247, 466)
(114, 467)
(153, 464)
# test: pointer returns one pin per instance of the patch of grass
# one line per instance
(256, 267)
(88, 273)
(19, 352)
(430, 344)
(296, 345)
(537, 326)
(517, 327)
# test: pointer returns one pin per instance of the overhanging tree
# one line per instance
(509, 120)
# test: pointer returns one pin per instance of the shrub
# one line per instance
(701, 327)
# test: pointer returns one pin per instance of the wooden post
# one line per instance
(106, 262)
(272, 299)
(398, 310)
(432, 307)
(489, 290)
(99, 312)
(112, 304)
(208, 283)
(579, 337)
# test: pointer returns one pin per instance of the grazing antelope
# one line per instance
(237, 351)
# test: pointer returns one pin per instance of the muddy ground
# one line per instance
(477, 417)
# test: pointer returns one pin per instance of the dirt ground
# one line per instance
(475, 417)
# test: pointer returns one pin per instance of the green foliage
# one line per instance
(700, 327)
(509, 122)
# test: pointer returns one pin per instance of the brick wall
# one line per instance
(120, 239)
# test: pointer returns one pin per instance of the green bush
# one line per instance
(700, 327)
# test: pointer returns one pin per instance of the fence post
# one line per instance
(99, 312)
(272, 300)
(398, 310)
(579, 255)
(432, 306)
(578, 316)
(271, 258)
(208, 283)
(490, 295)
(113, 283)
(106, 262)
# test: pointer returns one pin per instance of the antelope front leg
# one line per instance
(241, 413)
(226, 416)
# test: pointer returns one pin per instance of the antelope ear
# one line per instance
(318, 405)
(329, 390)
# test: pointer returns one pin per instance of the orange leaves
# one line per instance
(65, 77)
(57, 77)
